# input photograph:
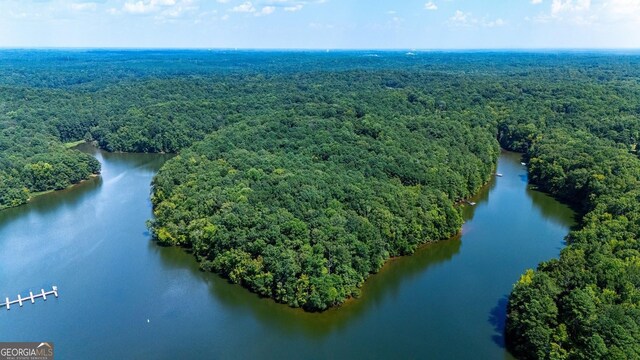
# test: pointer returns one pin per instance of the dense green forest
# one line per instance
(584, 305)
(33, 161)
(299, 174)
(303, 211)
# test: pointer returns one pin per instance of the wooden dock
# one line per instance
(32, 297)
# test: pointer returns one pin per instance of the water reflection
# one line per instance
(123, 163)
(376, 290)
(497, 318)
(52, 201)
(76, 194)
(547, 206)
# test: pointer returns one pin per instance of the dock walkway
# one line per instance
(32, 297)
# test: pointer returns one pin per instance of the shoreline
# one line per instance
(34, 195)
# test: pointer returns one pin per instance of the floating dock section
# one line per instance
(32, 297)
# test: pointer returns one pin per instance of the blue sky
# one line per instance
(321, 24)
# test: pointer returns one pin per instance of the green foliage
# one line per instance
(348, 164)
(586, 304)
(299, 174)
(304, 210)
(33, 162)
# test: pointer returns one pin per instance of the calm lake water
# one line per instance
(122, 297)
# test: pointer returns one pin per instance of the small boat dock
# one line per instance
(32, 297)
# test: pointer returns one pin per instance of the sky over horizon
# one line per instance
(321, 24)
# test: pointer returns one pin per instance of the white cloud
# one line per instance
(292, 5)
(249, 8)
(494, 23)
(293, 8)
(536, 2)
(267, 10)
(460, 18)
(18, 15)
(136, 8)
(271, 6)
(611, 13)
(246, 7)
(623, 10)
(178, 10)
(577, 12)
(222, 1)
(163, 10)
(466, 19)
(89, 6)
(145, 7)
(560, 7)
(430, 6)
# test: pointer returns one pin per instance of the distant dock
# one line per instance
(32, 297)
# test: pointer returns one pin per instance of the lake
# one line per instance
(122, 296)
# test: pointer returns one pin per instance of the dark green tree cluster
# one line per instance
(34, 162)
(586, 304)
(303, 210)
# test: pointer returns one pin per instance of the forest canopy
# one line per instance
(300, 173)
(304, 211)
